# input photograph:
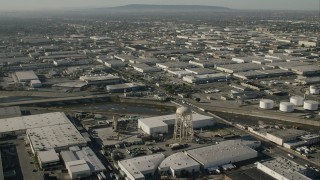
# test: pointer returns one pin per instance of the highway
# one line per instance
(58, 100)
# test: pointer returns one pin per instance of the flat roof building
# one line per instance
(178, 162)
(205, 78)
(25, 76)
(48, 158)
(144, 68)
(159, 124)
(57, 137)
(100, 79)
(284, 135)
(140, 167)
(222, 153)
(8, 112)
(19, 125)
(281, 168)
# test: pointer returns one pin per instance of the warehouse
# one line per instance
(282, 168)
(249, 75)
(11, 111)
(140, 167)
(126, 87)
(48, 159)
(57, 137)
(306, 70)
(115, 64)
(225, 152)
(177, 163)
(144, 68)
(18, 125)
(285, 135)
(233, 68)
(148, 61)
(100, 79)
(124, 57)
(159, 124)
(200, 71)
(25, 76)
(202, 63)
(245, 59)
(205, 78)
(178, 72)
(167, 65)
(287, 65)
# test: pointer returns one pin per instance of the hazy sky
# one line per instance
(236, 4)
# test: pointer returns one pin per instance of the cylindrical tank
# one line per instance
(297, 100)
(314, 90)
(266, 104)
(310, 105)
(286, 107)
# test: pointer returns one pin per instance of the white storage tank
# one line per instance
(310, 105)
(266, 104)
(314, 90)
(297, 100)
(286, 107)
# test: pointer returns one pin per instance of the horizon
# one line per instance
(39, 5)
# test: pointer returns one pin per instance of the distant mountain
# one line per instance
(165, 8)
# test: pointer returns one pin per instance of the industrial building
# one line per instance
(233, 68)
(11, 111)
(200, 71)
(147, 61)
(48, 158)
(81, 162)
(178, 72)
(126, 87)
(176, 163)
(57, 137)
(100, 79)
(159, 124)
(281, 168)
(205, 78)
(115, 64)
(16, 126)
(25, 76)
(284, 135)
(306, 70)
(223, 153)
(144, 68)
(167, 65)
(140, 167)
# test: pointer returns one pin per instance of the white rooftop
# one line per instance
(48, 156)
(90, 157)
(140, 165)
(170, 119)
(219, 152)
(32, 121)
(55, 136)
(78, 166)
(178, 161)
(286, 168)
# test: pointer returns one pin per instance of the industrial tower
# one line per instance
(183, 129)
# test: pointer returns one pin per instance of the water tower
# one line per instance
(183, 129)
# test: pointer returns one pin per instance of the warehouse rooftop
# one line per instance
(33, 121)
(140, 165)
(178, 161)
(286, 168)
(56, 136)
(219, 152)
